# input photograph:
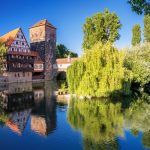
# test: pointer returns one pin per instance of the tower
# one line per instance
(43, 40)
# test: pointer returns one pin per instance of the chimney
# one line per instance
(68, 59)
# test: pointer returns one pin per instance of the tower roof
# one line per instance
(9, 37)
(43, 23)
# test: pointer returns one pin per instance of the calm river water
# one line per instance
(32, 118)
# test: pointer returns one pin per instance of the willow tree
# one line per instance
(136, 35)
(102, 27)
(3, 50)
(99, 72)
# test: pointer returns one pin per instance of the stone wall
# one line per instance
(14, 77)
(43, 40)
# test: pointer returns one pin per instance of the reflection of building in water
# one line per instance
(17, 121)
(18, 88)
(43, 120)
(16, 101)
(19, 101)
(17, 97)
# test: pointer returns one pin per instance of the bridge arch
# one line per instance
(61, 75)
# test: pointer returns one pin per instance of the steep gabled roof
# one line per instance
(9, 37)
(43, 23)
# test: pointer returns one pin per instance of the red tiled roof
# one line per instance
(13, 126)
(9, 37)
(66, 60)
(43, 23)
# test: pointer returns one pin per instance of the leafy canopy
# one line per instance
(138, 61)
(3, 50)
(140, 6)
(101, 27)
(100, 72)
(136, 34)
(147, 28)
(62, 52)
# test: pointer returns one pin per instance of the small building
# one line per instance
(63, 63)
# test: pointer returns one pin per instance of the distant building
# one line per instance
(63, 63)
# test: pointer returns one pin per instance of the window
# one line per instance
(23, 74)
(17, 36)
(22, 43)
(21, 37)
(17, 42)
(12, 49)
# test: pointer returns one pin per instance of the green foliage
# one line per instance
(147, 28)
(140, 6)
(63, 52)
(63, 89)
(146, 139)
(136, 34)
(102, 120)
(3, 51)
(101, 27)
(137, 60)
(99, 72)
(98, 120)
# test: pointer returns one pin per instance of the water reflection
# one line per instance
(104, 122)
(18, 102)
(32, 112)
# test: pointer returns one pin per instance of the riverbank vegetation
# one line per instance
(3, 50)
(99, 72)
(104, 70)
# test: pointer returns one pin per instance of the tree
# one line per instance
(3, 50)
(140, 6)
(147, 28)
(138, 61)
(136, 34)
(101, 27)
(62, 52)
(99, 72)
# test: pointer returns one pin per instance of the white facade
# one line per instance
(20, 44)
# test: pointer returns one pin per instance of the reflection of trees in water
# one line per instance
(102, 121)
(99, 121)
(137, 118)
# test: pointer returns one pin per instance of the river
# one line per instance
(32, 117)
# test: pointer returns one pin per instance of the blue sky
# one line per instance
(68, 16)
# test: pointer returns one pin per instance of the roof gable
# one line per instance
(9, 37)
(43, 23)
